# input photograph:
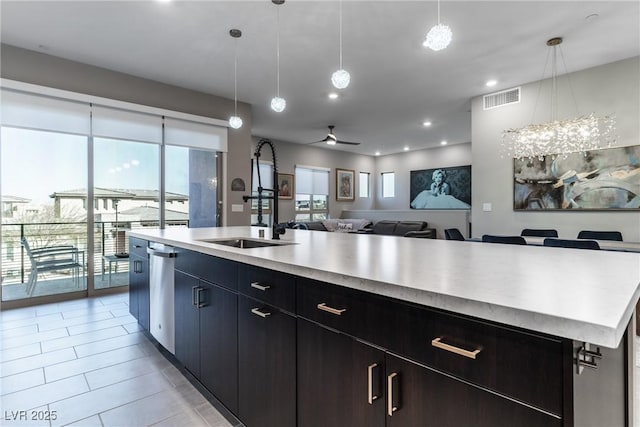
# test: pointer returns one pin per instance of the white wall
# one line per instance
(289, 155)
(609, 89)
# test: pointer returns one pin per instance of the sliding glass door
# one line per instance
(44, 215)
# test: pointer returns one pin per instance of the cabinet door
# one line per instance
(420, 397)
(337, 376)
(139, 289)
(267, 365)
(187, 322)
(219, 343)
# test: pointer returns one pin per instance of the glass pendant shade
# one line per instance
(438, 37)
(278, 104)
(235, 122)
(341, 79)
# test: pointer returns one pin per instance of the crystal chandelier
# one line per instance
(341, 78)
(278, 104)
(235, 121)
(439, 36)
(559, 137)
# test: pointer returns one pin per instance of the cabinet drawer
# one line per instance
(521, 365)
(138, 246)
(356, 313)
(219, 271)
(270, 286)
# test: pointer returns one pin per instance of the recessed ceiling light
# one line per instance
(426, 123)
(333, 95)
(406, 148)
(443, 142)
(377, 153)
(491, 83)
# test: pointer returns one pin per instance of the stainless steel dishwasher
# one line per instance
(161, 284)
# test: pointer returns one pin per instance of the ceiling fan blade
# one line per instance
(318, 142)
(347, 142)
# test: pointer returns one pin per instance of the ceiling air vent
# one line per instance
(504, 97)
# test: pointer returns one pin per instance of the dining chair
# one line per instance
(509, 240)
(600, 235)
(453, 234)
(533, 232)
(52, 258)
(575, 244)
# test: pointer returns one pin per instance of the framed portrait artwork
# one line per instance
(285, 185)
(345, 184)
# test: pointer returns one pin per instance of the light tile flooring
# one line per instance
(87, 362)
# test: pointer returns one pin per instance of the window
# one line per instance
(312, 194)
(388, 184)
(363, 184)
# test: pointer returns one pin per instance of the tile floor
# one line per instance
(87, 362)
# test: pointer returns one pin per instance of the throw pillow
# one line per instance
(344, 227)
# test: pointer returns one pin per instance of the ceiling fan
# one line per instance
(331, 139)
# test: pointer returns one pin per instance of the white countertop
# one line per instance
(572, 293)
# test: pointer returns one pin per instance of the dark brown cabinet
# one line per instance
(267, 365)
(139, 281)
(206, 327)
(339, 379)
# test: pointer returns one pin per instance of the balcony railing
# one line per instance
(108, 240)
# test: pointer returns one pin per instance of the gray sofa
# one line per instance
(416, 229)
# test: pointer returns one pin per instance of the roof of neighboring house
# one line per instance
(14, 199)
(150, 213)
(122, 194)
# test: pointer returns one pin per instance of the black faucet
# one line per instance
(277, 230)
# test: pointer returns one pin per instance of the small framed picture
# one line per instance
(285, 186)
(345, 184)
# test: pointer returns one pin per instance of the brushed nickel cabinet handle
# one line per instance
(337, 311)
(370, 396)
(437, 342)
(257, 312)
(200, 303)
(258, 286)
(193, 295)
(390, 408)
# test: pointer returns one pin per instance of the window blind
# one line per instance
(312, 181)
(123, 124)
(195, 135)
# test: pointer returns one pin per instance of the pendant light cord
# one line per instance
(235, 80)
(438, 12)
(340, 20)
(278, 52)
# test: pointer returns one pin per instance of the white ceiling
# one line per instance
(396, 83)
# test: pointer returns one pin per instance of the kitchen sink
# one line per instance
(245, 243)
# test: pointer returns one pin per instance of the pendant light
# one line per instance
(278, 104)
(341, 78)
(235, 121)
(439, 36)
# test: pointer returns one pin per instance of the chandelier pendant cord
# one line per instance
(573, 95)
(535, 105)
(438, 12)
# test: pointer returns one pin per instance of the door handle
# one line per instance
(390, 406)
(370, 396)
(260, 313)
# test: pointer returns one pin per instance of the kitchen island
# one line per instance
(522, 315)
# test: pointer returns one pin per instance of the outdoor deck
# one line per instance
(46, 286)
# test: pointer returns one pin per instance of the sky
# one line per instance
(36, 164)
